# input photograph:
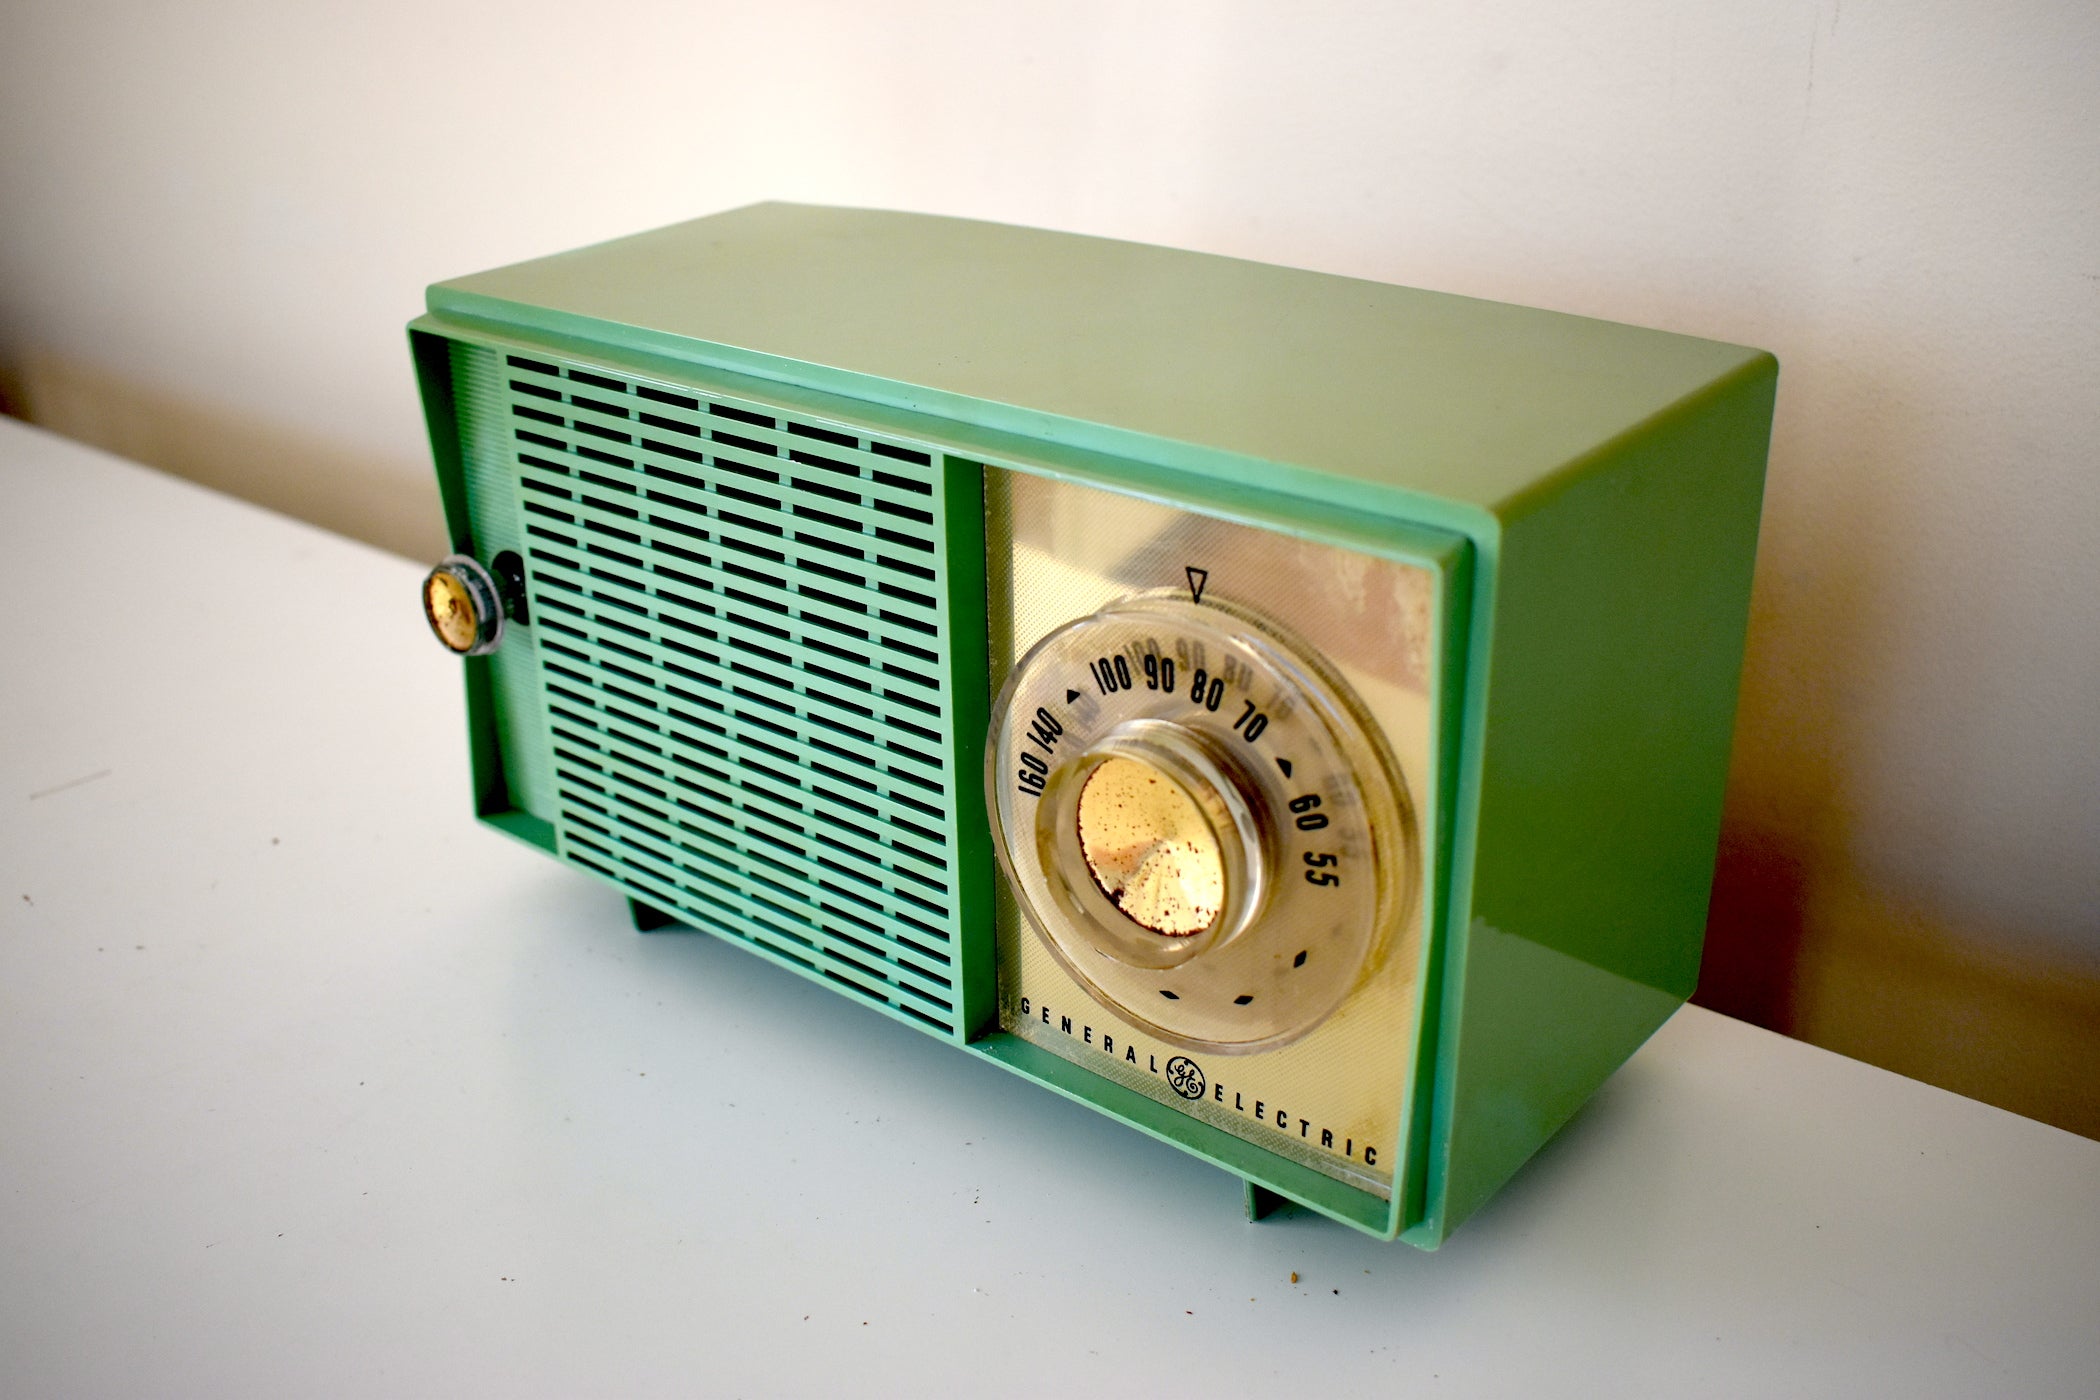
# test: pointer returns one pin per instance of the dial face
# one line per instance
(1197, 819)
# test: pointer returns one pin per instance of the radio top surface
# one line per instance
(1139, 347)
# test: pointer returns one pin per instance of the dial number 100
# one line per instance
(1113, 673)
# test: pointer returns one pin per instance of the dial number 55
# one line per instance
(1321, 870)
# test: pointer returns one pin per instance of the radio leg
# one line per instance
(648, 919)
(1261, 1201)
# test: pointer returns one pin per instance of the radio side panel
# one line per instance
(1620, 602)
(506, 725)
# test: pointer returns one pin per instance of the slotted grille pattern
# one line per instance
(744, 641)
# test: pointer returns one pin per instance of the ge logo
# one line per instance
(1185, 1077)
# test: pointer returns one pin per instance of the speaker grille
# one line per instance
(744, 643)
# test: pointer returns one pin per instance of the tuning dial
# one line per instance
(1198, 820)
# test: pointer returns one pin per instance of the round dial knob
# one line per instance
(1150, 849)
(1198, 820)
(463, 606)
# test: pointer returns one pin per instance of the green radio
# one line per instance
(1286, 713)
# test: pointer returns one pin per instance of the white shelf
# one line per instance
(308, 1085)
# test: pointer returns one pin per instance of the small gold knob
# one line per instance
(462, 606)
(1150, 849)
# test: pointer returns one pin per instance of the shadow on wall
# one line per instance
(1794, 943)
(1800, 947)
(1754, 928)
(391, 504)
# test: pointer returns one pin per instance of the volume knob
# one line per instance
(463, 606)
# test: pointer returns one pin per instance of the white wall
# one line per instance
(228, 209)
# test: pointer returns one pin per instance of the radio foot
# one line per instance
(647, 918)
(1262, 1202)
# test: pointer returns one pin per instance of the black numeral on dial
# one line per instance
(1206, 690)
(1251, 722)
(1321, 871)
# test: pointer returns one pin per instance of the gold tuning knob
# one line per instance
(1149, 848)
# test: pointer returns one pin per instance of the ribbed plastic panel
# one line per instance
(492, 514)
(744, 643)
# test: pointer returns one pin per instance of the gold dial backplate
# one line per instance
(1058, 551)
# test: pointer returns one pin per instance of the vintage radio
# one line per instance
(1286, 713)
